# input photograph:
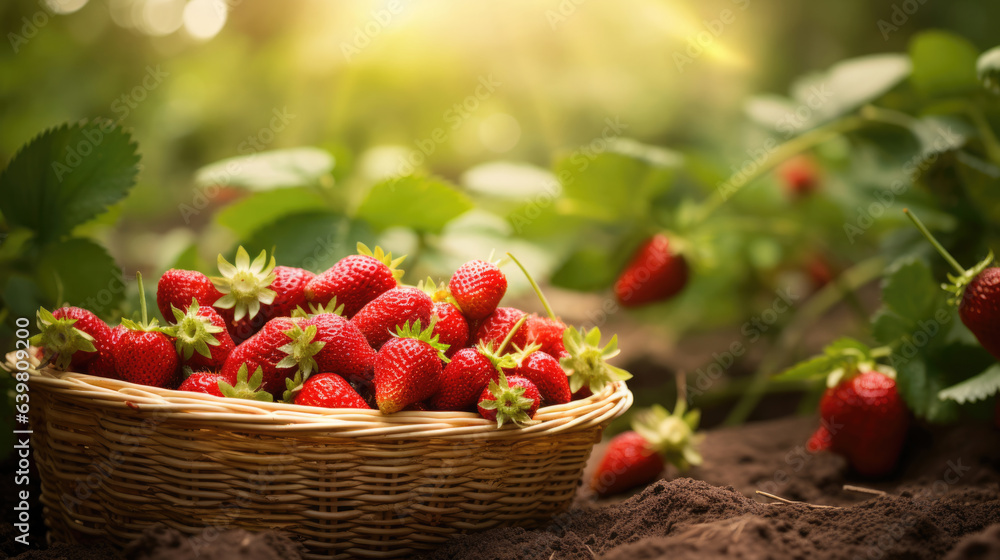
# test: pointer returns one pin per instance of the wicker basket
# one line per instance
(115, 458)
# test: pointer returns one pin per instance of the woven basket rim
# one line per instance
(122, 397)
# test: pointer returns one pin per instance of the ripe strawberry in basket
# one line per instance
(586, 363)
(200, 336)
(104, 364)
(177, 288)
(267, 350)
(478, 286)
(408, 367)
(143, 354)
(466, 375)
(203, 382)
(243, 387)
(356, 280)
(329, 390)
(325, 343)
(246, 291)
(378, 319)
(70, 334)
(498, 324)
(450, 325)
(509, 399)
(544, 372)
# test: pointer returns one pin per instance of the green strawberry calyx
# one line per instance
(192, 332)
(509, 403)
(60, 338)
(413, 330)
(385, 258)
(840, 361)
(246, 388)
(521, 354)
(437, 292)
(535, 287)
(300, 350)
(245, 285)
(319, 309)
(587, 364)
(672, 435)
(959, 281)
(146, 324)
(499, 362)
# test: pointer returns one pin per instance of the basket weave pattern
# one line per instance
(115, 458)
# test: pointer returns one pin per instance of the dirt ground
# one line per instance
(943, 501)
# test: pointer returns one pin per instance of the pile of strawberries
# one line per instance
(352, 336)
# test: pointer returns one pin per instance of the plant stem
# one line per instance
(534, 285)
(817, 306)
(930, 237)
(142, 299)
(510, 335)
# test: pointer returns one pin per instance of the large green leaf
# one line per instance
(920, 392)
(310, 240)
(83, 273)
(66, 176)
(278, 169)
(975, 388)
(256, 210)
(943, 64)
(418, 203)
(910, 291)
(586, 270)
(843, 88)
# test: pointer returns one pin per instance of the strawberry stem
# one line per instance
(534, 285)
(510, 335)
(142, 298)
(930, 237)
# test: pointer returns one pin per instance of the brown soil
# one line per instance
(945, 501)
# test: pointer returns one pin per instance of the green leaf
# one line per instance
(847, 345)
(975, 388)
(418, 203)
(816, 368)
(253, 212)
(66, 176)
(503, 180)
(981, 180)
(920, 392)
(310, 240)
(888, 328)
(845, 87)
(943, 64)
(910, 291)
(585, 270)
(84, 272)
(264, 171)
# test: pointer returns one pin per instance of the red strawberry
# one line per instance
(177, 288)
(407, 368)
(819, 271)
(510, 399)
(977, 292)
(498, 325)
(799, 176)
(628, 462)
(450, 326)
(545, 372)
(865, 420)
(465, 377)
(478, 286)
(289, 287)
(325, 343)
(379, 318)
(72, 335)
(655, 273)
(244, 388)
(104, 364)
(143, 354)
(637, 457)
(265, 350)
(356, 280)
(200, 337)
(547, 333)
(203, 382)
(329, 390)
